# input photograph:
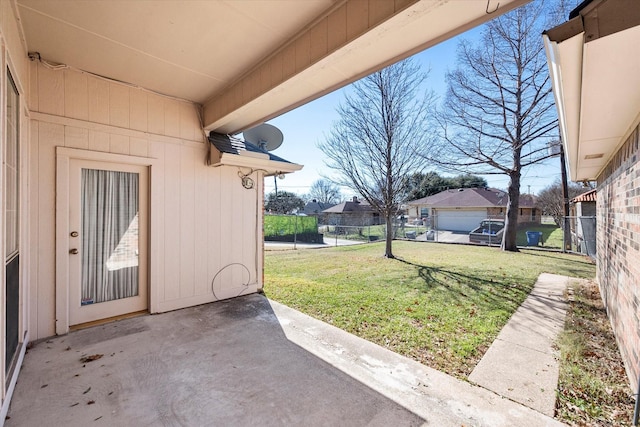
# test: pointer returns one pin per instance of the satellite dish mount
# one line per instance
(265, 136)
(268, 138)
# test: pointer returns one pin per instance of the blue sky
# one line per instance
(305, 126)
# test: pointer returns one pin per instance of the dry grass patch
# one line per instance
(593, 389)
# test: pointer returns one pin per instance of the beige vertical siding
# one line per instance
(201, 218)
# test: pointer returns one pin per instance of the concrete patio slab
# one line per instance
(222, 364)
(242, 362)
(522, 363)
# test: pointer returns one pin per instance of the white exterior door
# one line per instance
(108, 223)
(459, 219)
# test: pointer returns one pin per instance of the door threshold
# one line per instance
(107, 320)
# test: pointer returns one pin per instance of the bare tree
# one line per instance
(283, 202)
(499, 115)
(551, 199)
(421, 185)
(324, 191)
(373, 146)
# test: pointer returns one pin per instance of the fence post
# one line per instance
(490, 223)
(565, 235)
(435, 229)
(295, 232)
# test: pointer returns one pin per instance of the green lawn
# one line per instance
(440, 304)
(551, 235)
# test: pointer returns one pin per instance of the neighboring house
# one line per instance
(463, 209)
(354, 213)
(594, 62)
(126, 105)
(316, 208)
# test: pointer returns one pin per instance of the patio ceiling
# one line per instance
(594, 63)
(244, 61)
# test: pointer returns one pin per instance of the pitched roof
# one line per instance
(589, 196)
(350, 207)
(314, 207)
(465, 198)
(472, 198)
(528, 201)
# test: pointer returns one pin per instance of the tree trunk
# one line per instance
(511, 218)
(388, 253)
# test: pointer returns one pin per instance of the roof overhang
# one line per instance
(243, 61)
(593, 60)
(379, 43)
(588, 196)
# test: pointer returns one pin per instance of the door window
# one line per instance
(109, 250)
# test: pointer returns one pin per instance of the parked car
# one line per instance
(489, 232)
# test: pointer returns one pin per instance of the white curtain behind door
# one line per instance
(109, 235)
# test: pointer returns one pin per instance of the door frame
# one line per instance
(63, 160)
(78, 313)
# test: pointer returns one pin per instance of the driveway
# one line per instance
(242, 362)
(445, 236)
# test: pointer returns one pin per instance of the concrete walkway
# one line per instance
(437, 398)
(522, 364)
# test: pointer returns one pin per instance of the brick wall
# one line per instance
(618, 243)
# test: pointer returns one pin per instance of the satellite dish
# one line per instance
(265, 136)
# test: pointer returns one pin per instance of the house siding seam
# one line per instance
(618, 248)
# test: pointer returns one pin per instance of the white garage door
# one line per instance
(460, 220)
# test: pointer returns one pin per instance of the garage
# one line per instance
(459, 219)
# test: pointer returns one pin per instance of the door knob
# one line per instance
(74, 234)
(73, 251)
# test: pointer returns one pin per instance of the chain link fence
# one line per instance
(291, 228)
(370, 233)
(580, 234)
(575, 234)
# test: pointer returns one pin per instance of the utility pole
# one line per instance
(566, 229)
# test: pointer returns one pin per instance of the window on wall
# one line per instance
(11, 227)
(424, 212)
(11, 171)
